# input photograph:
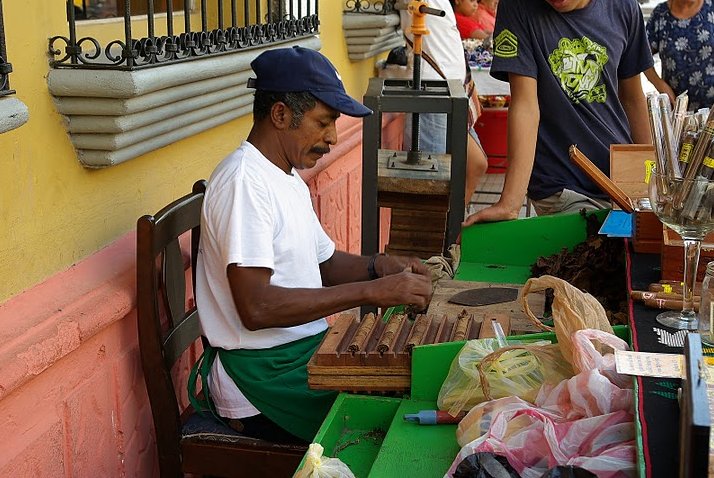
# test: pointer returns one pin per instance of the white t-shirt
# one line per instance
(443, 43)
(254, 215)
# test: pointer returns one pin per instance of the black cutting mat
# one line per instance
(658, 406)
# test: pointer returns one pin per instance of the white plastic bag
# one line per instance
(318, 466)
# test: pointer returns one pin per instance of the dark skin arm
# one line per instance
(262, 305)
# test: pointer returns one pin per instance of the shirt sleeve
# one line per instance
(242, 218)
(637, 56)
(513, 51)
(325, 245)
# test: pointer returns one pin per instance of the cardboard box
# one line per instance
(627, 170)
(673, 255)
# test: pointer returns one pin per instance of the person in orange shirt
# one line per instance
(485, 14)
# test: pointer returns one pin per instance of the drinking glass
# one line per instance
(684, 205)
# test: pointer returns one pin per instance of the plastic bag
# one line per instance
(587, 357)
(521, 370)
(533, 442)
(572, 310)
(485, 465)
(598, 388)
(477, 422)
(318, 466)
(567, 471)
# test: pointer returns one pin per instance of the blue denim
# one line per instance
(432, 132)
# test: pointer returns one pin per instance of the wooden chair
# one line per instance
(187, 442)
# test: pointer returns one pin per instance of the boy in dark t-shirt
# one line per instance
(574, 71)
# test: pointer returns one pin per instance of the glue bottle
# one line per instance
(433, 417)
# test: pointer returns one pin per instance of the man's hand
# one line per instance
(406, 287)
(496, 212)
(388, 265)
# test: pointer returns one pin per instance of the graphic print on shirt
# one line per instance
(578, 64)
(506, 44)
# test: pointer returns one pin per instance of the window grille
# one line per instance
(383, 7)
(5, 67)
(239, 25)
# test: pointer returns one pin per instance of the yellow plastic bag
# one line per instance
(521, 370)
(318, 466)
(573, 310)
(516, 373)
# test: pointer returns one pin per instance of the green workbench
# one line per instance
(369, 433)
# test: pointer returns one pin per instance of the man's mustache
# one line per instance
(320, 150)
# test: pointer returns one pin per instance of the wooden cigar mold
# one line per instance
(371, 355)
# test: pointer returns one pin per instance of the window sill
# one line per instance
(114, 116)
(13, 113)
(369, 35)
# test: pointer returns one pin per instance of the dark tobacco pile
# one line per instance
(596, 266)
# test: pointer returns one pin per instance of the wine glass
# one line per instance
(684, 205)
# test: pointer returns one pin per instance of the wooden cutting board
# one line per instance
(445, 289)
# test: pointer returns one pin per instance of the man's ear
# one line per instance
(280, 115)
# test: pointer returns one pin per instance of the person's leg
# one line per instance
(568, 201)
(476, 165)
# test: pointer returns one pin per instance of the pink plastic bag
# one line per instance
(587, 357)
(584, 421)
(598, 388)
(533, 442)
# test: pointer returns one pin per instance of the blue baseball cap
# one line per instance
(302, 69)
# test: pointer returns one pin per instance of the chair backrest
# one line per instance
(167, 326)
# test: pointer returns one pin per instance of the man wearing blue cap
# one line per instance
(267, 272)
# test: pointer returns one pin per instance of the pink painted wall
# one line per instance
(72, 395)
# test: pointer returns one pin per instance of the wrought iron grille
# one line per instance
(5, 67)
(239, 25)
(382, 7)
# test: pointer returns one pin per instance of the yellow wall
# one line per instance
(54, 212)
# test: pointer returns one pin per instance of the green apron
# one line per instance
(274, 380)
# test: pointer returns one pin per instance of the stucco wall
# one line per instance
(54, 211)
(72, 398)
(72, 394)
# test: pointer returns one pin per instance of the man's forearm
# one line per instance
(633, 102)
(523, 120)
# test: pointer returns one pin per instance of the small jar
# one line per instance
(706, 308)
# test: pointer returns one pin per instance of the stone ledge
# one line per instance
(114, 116)
(369, 35)
(13, 113)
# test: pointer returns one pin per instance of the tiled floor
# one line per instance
(488, 192)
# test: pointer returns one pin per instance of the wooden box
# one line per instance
(627, 170)
(673, 255)
(354, 356)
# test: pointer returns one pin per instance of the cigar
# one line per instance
(648, 294)
(675, 287)
(669, 304)
(418, 332)
(364, 330)
(390, 334)
(462, 327)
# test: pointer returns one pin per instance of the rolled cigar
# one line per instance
(390, 333)
(418, 332)
(644, 294)
(462, 327)
(364, 330)
(669, 304)
(673, 287)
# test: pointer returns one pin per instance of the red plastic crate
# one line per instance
(491, 127)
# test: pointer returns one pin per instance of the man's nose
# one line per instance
(331, 134)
